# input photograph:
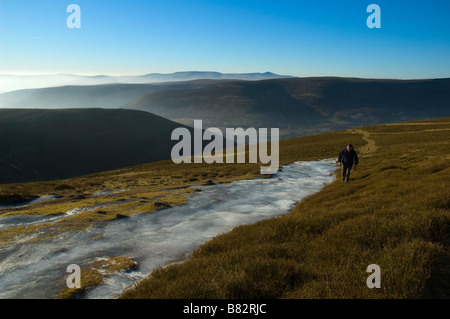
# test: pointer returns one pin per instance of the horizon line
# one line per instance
(223, 73)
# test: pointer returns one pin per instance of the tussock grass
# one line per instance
(148, 188)
(95, 273)
(394, 213)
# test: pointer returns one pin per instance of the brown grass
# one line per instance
(393, 213)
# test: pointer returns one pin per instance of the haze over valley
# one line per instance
(64, 131)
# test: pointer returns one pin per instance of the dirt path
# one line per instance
(370, 147)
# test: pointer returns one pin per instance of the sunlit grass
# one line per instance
(394, 213)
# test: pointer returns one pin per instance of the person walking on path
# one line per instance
(347, 157)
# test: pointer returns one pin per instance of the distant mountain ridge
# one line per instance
(200, 75)
(10, 82)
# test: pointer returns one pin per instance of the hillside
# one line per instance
(302, 106)
(394, 213)
(322, 248)
(298, 106)
(89, 96)
(40, 144)
(13, 82)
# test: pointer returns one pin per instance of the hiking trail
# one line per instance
(370, 147)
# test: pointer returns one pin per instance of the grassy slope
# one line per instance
(394, 213)
(148, 188)
(147, 184)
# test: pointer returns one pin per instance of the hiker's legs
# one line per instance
(347, 176)
(346, 172)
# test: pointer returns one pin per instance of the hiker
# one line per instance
(346, 159)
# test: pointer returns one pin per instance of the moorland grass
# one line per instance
(144, 189)
(393, 213)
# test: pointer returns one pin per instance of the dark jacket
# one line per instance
(348, 158)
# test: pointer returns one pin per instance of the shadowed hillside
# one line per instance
(56, 144)
(301, 106)
(89, 96)
(298, 106)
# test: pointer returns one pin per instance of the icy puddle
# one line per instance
(38, 269)
(24, 220)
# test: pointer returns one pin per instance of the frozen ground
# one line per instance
(38, 269)
(37, 200)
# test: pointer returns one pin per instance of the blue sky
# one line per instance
(300, 38)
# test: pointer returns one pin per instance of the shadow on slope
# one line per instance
(57, 144)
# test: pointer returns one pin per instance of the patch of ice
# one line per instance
(24, 220)
(109, 192)
(81, 209)
(160, 238)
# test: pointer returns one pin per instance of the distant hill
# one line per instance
(301, 106)
(55, 144)
(89, 96)
(71, 91)
(298, 106)
(10, 82)
(199, 75)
